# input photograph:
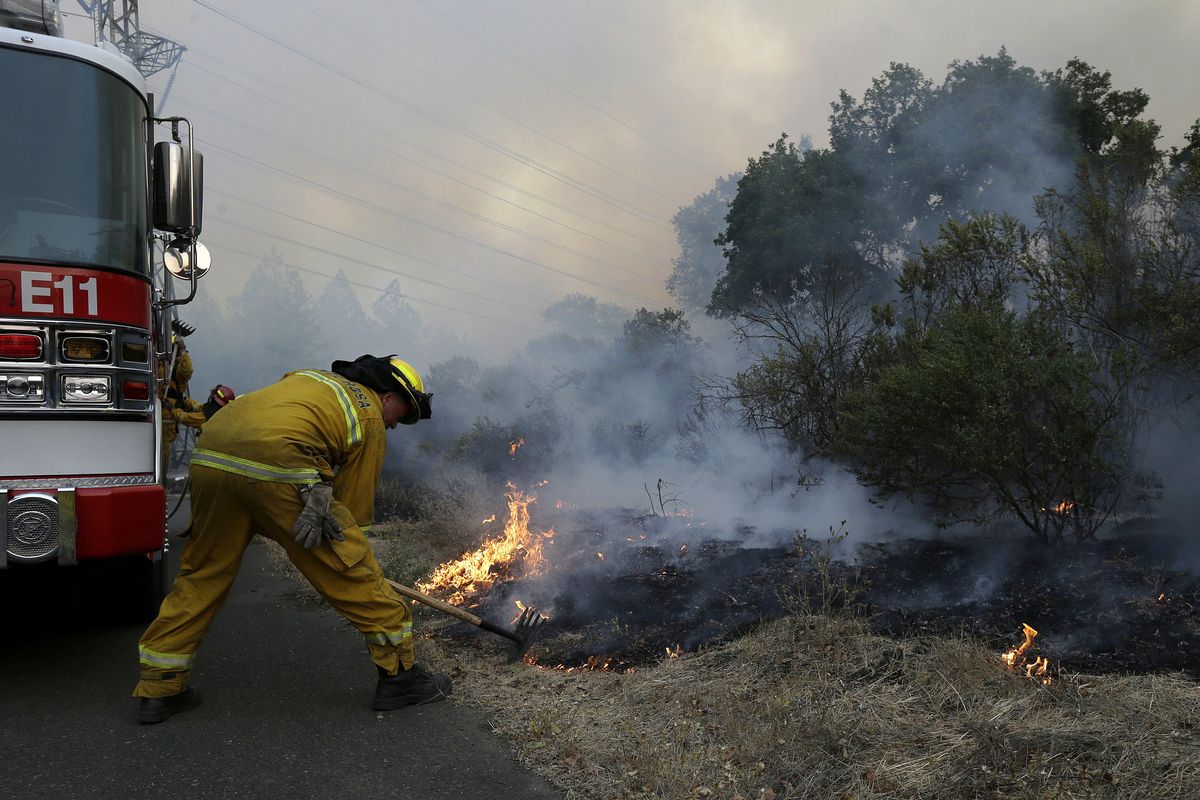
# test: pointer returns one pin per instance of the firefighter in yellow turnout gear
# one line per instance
(299, 462)
(178, 405)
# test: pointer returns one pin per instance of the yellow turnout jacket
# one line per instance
(310, 427)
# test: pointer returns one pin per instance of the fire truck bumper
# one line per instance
(74, 524)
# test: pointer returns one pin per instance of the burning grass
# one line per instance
(814, 707)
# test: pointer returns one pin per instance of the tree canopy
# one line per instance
(975, 294)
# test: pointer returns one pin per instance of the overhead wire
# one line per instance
(474, 35)
(457, 90)
(353, 260)
(398, 215)
(425, 196)
(412, 256)
(384, 290)
(628, 208)
(324, 122)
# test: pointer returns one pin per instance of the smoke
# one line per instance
(1170, 457)
(609, 409)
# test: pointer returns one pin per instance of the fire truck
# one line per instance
(98, 224)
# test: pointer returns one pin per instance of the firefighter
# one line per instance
(178, 405)
(219, 397)
(299, 462)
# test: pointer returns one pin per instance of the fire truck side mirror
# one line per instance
(173, 189)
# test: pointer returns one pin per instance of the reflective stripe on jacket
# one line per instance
(311, 426)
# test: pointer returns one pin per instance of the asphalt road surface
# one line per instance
(286, 714)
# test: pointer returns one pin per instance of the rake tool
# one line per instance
(528, 627)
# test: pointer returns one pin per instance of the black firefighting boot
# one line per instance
(159, 709)
(410, 687)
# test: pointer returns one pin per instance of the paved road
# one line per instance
(286, 714)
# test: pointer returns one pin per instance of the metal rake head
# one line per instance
(182, 328)
(528, 628)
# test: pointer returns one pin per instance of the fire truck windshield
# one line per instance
(72, 164)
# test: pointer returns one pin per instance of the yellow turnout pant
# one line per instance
(227, 510)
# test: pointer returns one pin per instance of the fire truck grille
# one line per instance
(32, 528)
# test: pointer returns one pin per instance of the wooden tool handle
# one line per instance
(433, 602)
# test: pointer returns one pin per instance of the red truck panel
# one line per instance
(51, 292)
(120, 520)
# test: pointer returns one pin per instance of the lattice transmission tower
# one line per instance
(117, 23)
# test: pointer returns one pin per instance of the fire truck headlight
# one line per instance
(86, 388)
(22, 387)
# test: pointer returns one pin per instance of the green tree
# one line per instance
(981, 261)
(810, 356)
(795, 214)
(902, 161)
(700, 261)
(985, 414)
(584, 316)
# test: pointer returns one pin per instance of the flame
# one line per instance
(521, 610)
(517, 553)
(513, 447)
(593, 664)
(600, 556)
(492, 518)
(1064, 508)
(1010, 658)
(674, 652)
(1038, 668)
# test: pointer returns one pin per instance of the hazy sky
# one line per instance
(498, 155)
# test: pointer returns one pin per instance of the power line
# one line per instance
(335, 24)
(421, 165)
(354, 260)
(382, 247)
(428, 198)
(384, 210)
(628, 208)
(707, 172)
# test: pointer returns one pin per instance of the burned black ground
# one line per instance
(624, 590)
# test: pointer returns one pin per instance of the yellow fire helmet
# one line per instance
(410, 383)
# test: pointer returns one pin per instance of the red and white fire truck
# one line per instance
(95, 218)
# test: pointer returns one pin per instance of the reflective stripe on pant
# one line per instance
(227, 510)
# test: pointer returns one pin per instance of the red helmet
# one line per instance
(222, 395)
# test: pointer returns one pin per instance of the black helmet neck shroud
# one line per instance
(375, 372)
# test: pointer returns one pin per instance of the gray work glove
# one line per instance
(316, 521)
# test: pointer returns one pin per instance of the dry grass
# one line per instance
(807, 709)
(815, 706)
